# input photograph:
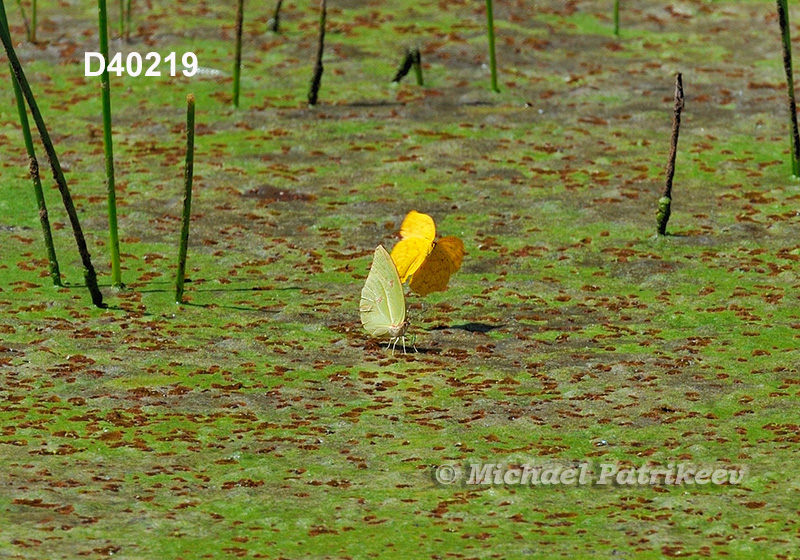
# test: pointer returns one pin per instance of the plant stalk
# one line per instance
(664, 203)
(237, 64)
(24, 20)
(616, 18)
(105, 91)
(44, 219)
(275, 21)
(316, 77)
(417, 58)
(405, 66)
(88, 269)
(783, 20)
(128, 20)
(490, 33)
(188, 173)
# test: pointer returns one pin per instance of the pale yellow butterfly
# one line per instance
(383, 304)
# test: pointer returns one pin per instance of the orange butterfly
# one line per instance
(427, 262)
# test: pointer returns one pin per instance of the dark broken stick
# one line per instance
(275, 22)
(664, 203)
(786, 41)
(316, 78)
(412, 59)
(405, 66)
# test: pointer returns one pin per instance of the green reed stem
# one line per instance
(121, 18)
(88, 269)
(616, 18)
(490, 33)
(237, 64)
(128, 20)
(105, 91)
(188, 173)
(25, 20)
(417, 58)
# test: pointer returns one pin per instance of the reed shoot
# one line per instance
(490, 33)
(188, 172)
(237, 65)
(105, 92)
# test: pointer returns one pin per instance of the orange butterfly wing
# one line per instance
(417, 232)
(434, 273)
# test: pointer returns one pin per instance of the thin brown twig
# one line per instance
(665, 202)
(676, 128)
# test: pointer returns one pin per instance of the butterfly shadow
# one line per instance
(422, 350)
(469, 327)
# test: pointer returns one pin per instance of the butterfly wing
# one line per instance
(417, 233)
(383, 305)
(417, 224)
(409, 254)
(444, 260)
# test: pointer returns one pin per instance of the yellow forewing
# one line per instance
(417, 224)
(417, 233)
(408, 255)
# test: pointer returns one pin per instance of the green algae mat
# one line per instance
(583, 389)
